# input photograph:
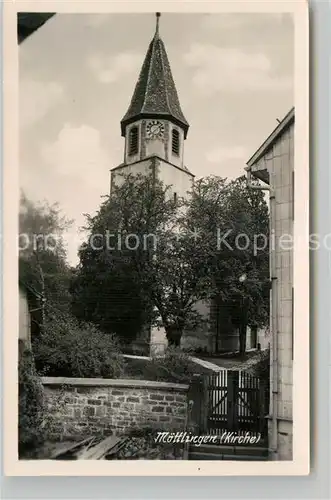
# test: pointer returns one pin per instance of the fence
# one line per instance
(229, 401)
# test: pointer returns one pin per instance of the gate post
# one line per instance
(262, 412)
(195, 398)
(205, 403)
(232, 389)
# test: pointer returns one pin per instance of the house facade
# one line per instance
(30, 313)
(24, 330)
(273, 163)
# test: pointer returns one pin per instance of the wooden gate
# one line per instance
(231, 401)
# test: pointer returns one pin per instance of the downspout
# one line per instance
(274, 312)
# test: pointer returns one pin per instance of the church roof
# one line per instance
(155, 94)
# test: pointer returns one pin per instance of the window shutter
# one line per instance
(175, 142)
(133, 141)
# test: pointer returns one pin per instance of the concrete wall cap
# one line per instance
(103, 382)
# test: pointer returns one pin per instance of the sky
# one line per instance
(234, 74)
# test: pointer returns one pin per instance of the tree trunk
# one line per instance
(174, 336)
(243, 329)
(42, 291)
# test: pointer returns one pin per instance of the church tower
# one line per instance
(154, 126)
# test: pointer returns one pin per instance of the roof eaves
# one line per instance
(29, 288)
(183, 169)
(268, 143)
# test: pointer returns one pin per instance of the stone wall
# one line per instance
(285, 440)
(80, 406)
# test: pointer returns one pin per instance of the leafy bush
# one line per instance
(175, 366)
(261, 369)
(70, 349)
(31, 418)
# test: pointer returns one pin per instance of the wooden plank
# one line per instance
(69, 448)
(81, 452)
(99, 450)
(117, 447)
(217, 405)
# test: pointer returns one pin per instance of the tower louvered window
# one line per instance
(175, 146)
(133, 141)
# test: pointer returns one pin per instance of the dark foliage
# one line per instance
(31, 403)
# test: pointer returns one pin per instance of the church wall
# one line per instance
(161, 147)
(199, 338)
(180, 180)
(141, 167)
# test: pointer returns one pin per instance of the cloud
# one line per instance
(110, 69)
(37, 99)
(232, 70)
(77, 152)
(75, 173)
(235, 21)
(223, 154)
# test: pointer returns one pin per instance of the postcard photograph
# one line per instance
(157, 223)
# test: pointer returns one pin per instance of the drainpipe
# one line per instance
(274, 314)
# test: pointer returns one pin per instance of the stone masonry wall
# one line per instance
(83, 406)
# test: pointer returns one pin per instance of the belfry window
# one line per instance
(133, 141)
(175, 145)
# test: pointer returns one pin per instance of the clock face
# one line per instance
(155, 129)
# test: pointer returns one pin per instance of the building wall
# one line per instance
(83, 406)
(280, 164)
(158, 342)
(179, 179)
(161, 147)
(201, 338)
(24, 317)
(140, 167)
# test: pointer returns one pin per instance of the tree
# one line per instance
(233, 226)
(150, 259)
(42, 254)
(149, 276)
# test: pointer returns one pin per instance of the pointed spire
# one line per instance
(158, 15)
(155, 94)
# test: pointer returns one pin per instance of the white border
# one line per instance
(300, 463)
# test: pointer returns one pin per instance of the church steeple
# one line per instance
(158, 15)
(155, 95)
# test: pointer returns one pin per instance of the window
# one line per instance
(133, 141)
(175, 142)
(175, 197)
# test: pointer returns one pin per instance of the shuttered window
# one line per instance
(133, 141)
(175, 142)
